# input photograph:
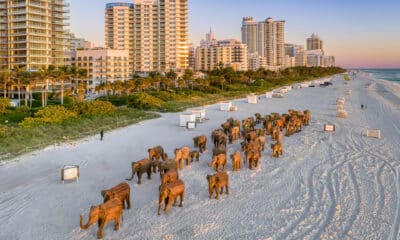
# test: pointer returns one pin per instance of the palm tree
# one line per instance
(5, 76)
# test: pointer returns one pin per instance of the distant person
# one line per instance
(101, 135)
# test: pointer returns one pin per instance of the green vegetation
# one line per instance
(50, 117)
(16, 140)
(346, 77)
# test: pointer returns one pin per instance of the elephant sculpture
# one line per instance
(307, 115)
(279, 137)
(218, 161)
(170, 176)
(217, 182)
(251, 136)
(258, 118)
(182, 155)
(219, 150)
(235, 134)
(165, 166)
(236, 161)
(253, 157)
(194, 155)
(226, 126)
(262, 141)
(219, 139)
(277, 149)
(170, 192)
(122, 191)
(155, 154)
(200, 142)
(268, 128)
(102, 214)
(140, 167)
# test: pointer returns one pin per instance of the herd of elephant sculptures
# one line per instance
(254, 141)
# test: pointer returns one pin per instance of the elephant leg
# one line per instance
(149, 173)
(217, 191)
(168, 205)
(128, 201)
(100, 231)
(175, 200)
(117, 223)
(227, 188)
(139, 177)
(222, 189)
(182, 195)
(210, 191)
(159, 206)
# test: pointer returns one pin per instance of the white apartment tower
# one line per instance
(158, 34)
(267, 39)
(119, 28)
(33, 33)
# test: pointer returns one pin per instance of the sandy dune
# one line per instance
(326, 186)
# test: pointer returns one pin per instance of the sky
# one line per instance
(359, 33)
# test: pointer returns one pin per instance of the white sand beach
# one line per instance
(339, 185)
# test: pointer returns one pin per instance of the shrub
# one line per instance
(49, 115)
(93, 108)
(6, 131)
(4, 104)
(16, 115)
(145, 101)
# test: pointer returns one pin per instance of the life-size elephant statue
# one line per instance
(102, 214)
(170, 192)
(122, 191)
(140, 167)
(165, 166)
(155, 154)
(236, 161)
(182, 155)
(218, 161)
(277, 149)
(200, 142)
(217, 182)
(194, 155)
(170, 176)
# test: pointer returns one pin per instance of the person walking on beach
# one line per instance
(101, 135)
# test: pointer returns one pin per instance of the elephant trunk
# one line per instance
(87, 225)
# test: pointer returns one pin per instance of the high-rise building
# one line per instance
(33, 33)
(329, 61)
(173, 35)
(315, 58)
(274, 42)
(119, 28)
(267, 38)
(156, 31)
(192, 57)
(314, 43)
(250, 34)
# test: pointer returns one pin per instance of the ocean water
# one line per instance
(385, 74)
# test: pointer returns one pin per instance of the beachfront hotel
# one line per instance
(154, 32)
(267, 39)
(213, 54)
(103, 64)
(33, 33)
(118, 27)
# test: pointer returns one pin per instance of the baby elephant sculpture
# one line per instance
(200, 142)
(217, 182)
(194, 155)
(165, 166)
(276, 149)
(170, 192)
(140, 167)
(122, 191)
(181, 155)
(236, 161)
(102, 214)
